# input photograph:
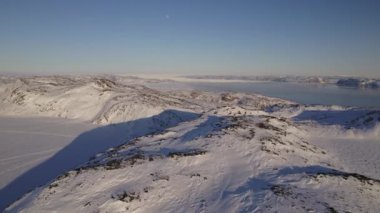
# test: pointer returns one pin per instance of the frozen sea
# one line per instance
(325, 94)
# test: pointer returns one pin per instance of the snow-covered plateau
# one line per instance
(125, 147)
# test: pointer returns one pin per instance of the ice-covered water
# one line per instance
(326, 94)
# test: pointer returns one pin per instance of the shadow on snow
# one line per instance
(87, 145)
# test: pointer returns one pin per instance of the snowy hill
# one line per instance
(204, 152)
(98, 100)
(105, 100)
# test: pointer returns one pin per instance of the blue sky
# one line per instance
(247, 37)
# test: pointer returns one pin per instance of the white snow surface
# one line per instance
(27, 142)
(186, 151)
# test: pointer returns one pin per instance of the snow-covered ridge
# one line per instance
(215, 162)
(195, 151)
(104, 100)
(98, 100)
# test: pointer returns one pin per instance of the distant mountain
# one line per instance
(299, 79)
(352, 82)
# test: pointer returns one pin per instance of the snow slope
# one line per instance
(205, 152)
(214, 163)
